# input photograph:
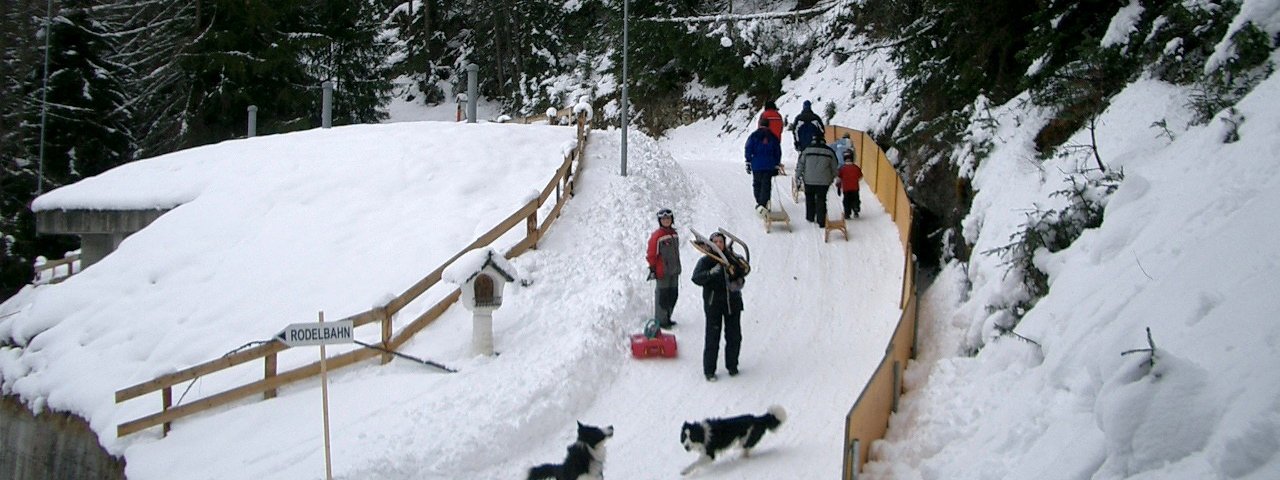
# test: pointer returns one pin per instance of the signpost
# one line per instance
(302, 334)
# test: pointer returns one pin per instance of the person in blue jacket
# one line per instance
(764, 154)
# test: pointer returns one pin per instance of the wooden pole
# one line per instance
(324, 394)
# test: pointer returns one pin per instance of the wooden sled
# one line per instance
(776, 216)
(835, 224)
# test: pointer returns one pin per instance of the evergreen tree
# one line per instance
(343, 44)
(245, 55)
(86, 130)
(419, 30)
(151, 38)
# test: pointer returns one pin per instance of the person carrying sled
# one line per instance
(721, 281)
(664, 267)
(847, 185)
(818, 167)
(774, 117)
(806, 127)
(764, 154)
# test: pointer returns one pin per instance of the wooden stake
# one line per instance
(324, 393)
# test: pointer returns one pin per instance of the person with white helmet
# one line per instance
(664, 266)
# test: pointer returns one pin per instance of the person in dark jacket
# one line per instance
(764, 154)
(807, 126)
(818, 167)
(664, 267)
(722, 303)
(774, 117)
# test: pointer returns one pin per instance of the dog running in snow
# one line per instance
(584, 460)
(713, 436)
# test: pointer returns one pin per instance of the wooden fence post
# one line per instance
(386, 334)
(531, 229)
(268, 372)
(166, 397)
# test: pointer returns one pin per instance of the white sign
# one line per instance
(301, 334)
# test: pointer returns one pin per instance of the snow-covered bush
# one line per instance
(1048, 231)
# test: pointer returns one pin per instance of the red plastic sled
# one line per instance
(662, 345)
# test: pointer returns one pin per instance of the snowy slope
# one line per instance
(810, 337)
(1187, 248)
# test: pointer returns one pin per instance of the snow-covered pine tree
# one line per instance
(342, 42)
(247, 53)
(87, 128)
(151, 38)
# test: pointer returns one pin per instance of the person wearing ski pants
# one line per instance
(722, 303)
(847, 185)
(664, 267)
(763, 154)
(818, 167)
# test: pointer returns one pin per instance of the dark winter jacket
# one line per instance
(774, 118)
(664, 252)
(817, 165)
(807, 126)
(720, 288)
(763, 151)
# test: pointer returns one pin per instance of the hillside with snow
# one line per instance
(274, 229)
(1006, 384)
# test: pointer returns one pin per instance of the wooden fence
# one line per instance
(868, 418)
(560, 188)
(52, 266)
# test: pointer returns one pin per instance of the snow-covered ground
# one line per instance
(272, 230)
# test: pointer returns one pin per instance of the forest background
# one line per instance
(131, 79)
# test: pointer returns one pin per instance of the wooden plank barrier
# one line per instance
(868, 418)
(561, 185)
(69, 261)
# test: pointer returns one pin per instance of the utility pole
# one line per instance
(625, 125)
(44, 95)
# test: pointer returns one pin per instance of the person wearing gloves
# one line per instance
(764, 154)
(722, 303)
(664, 267)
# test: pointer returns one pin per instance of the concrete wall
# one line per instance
(100, 231)
(51, 446)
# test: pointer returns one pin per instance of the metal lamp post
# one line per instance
(44, 94)
(625, 126)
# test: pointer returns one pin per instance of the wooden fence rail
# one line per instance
(559, 189)
(52, 265)
(868, 418)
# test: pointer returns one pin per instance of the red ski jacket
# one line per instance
(775, 121)
(850, 174)
(664, 253)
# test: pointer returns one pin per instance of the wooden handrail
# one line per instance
(268, 351)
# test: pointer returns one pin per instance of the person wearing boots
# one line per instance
(764, 154)
(818, 167)
(722, 303)
(847, 185)
(664, 267)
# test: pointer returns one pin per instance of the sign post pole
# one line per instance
(324, 393)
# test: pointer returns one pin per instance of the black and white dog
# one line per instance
(715, 435)
(584, 461)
